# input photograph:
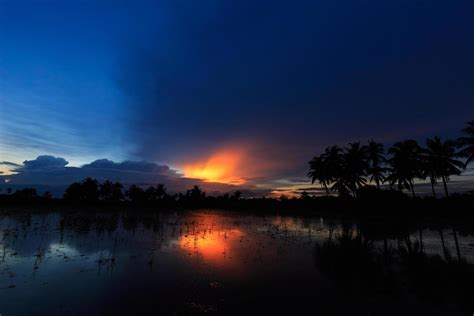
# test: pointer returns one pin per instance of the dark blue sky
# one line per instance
(274, 82)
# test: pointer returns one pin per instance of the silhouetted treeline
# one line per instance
(90, 191)
(356, 173)
(346, 170)
(370, 201)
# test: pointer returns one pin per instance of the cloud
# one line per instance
(8, 163)
(49, 171)
(139, 166)
(7, 167)
(310, 189)
(43, 162)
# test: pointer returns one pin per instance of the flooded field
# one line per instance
(89, 263)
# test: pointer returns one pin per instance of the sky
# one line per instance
(241, 93)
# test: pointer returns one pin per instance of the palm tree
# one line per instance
(430, 169)
(318, 172)
(73, 192)
(354, 167)
(117, 193)
(429, 172)
(135, 194)
(105, 190)
(324, 168)
(333, 162)
(467, 143)
(342, 186)
(156, 193)
(87, 190)
(111, 191)
(90, 189)
(441, 162)
(196, 194)
(375, 160)
(405, 164)
(161, 191)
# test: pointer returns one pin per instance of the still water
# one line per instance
(89, 263)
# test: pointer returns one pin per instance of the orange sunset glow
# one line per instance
(223, 167)
(212, 241)
(212, 246)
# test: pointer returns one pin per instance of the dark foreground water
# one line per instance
(90, 263)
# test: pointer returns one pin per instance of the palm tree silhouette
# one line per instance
(135, 194)
(196, 194)
(117, 193)
(429, 172)
(405, 164)
(467, 143)
(375, 160)
(161, 191)
(318, 172)
(105, 190)
(346, 171)
(325, 167)
(333, 162)
(156, 193)
(441, 162)
(354, 166)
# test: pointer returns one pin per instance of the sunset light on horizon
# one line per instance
(223, 166)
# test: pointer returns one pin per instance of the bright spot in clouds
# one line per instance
(223, 166)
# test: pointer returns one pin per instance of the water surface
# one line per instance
(190, 263)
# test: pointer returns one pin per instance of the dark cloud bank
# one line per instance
(54, 174)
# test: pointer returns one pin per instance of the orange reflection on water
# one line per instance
(211, 242)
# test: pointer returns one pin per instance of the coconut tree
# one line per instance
(156, 193)
(441, 161)
(354, 166)
(318, 172)
(429, 173)
(117, 193)
(105, 190)
(326, 168)
(376, 160)
(333, 158)
(334, 164)
(466, 143)
(405, 164)
(135, 194)
(430, 170)
(111, 191)
(348, 168)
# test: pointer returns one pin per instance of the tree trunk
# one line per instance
(412, 189)
(331, 230)
(421, 239)
(354, 193)
(444, 245)
(433, 189)
(377, 182)
(326, 187)
(457, 244)
(445, 186)
(408, 243)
